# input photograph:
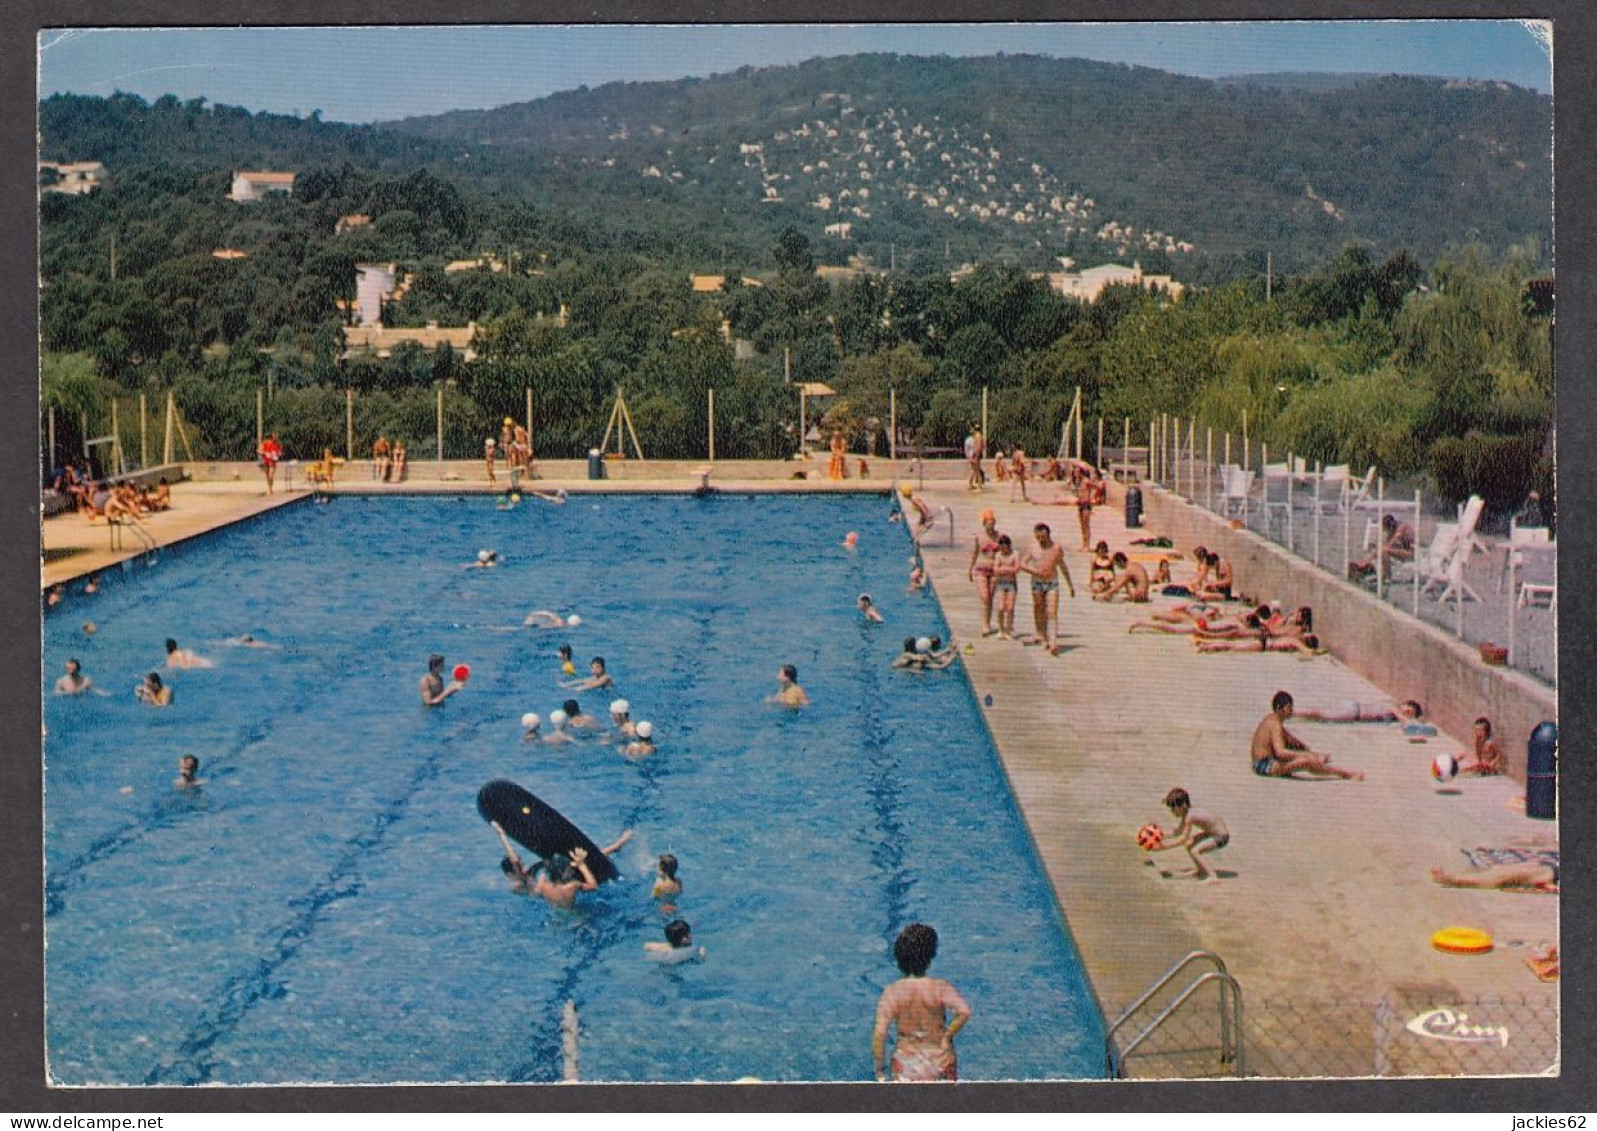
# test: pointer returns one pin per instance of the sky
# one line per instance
(365, 74)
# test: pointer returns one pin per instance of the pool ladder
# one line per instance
(1230, 1013)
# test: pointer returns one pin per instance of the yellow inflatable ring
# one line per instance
(1462, 940)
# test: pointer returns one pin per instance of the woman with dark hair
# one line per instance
(917, 1007)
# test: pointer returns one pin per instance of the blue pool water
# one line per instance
(328, 907)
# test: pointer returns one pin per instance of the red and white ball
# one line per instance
(1150, 837)
(1444, 768)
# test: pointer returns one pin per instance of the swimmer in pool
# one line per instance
(93, 585)
(678, 946)
(543, 618)
(183, 658)
(643, 745)
(560, 878)
(788, 691)
(486, 559)
(53, 595)
(153, 692)
(433, 688)
(666, 882)
(558, 498)
(566, 666)
(621, 719)
(529, 727)
(911, 657)
(939, 657)
(558, 732)
(188, 769)
(918, 1008)
(868, 609)
(575, 717)
(595, 682)
(74, 682)
(248, 641)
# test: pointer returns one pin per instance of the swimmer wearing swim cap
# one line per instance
(530, 723)
(621, 718)
(558, 732)
(643, 745)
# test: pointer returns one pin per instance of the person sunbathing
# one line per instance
(1353, 711)
(1276, 752)
(1217, 586)
(1527, 875)
(1397, 544)
(1308, 646)
(1200, 620)
(1101, 573)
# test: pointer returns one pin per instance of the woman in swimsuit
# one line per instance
(1101, 574)
(1006, 566)
(981, 567)
(838, 468)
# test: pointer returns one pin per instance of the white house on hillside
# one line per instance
(253, 186)
(1087, 285)
(75, 177)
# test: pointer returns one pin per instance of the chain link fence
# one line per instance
(1490, 583)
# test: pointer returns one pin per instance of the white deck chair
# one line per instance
(1531, 593)
(1276, 476)
(1433, 564)
(1235, 487)
(1333, 488)
(1457, 588)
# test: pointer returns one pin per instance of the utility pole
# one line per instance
(1269, 276)
(113, 255)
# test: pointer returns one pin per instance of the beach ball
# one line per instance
(1444, 768)
(462, 672)
(1150, 837)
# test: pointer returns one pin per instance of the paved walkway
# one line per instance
(1325, 894)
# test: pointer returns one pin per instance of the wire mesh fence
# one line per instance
(1487, 579)
(1409, 1032)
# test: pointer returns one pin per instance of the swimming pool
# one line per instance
(328, 906)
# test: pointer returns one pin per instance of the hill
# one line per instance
(1025, 157)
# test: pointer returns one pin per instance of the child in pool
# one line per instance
(666, 882)
(678, 946)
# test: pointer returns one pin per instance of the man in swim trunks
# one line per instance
(1045, 561)
(975, 449)
(918, 1007)
(1133, 581)
(433, 689)
(183, 658)
(1276, 752)
(74, 682)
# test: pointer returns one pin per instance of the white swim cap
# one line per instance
(483, 555)
(530, 720)
(558, 718)
(574, 620)
(645, 730)
(924, 644)
(620, 707)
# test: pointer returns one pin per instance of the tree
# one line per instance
(792, 252)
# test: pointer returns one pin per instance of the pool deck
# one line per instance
(1324, 895)
(1324, 906)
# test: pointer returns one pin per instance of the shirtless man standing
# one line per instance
(1278, 753)
(1045, 561)
(918, 1007)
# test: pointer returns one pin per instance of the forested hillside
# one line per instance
(1405, 217)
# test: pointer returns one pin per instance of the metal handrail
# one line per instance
(1230, 1025)
(1227, 1037)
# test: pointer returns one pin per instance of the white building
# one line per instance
(1088, 285)
(252, 186)
(75, 177)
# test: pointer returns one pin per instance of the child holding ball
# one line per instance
(1198, 833)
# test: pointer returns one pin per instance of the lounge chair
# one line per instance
(1235, 487)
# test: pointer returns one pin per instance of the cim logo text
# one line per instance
(1446, 1024)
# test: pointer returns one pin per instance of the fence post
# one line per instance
(50, 434)
(1125, 450)
(1317, 516)
(144, 431)
(116, 440)
(349, 425)
(1347, 537)
(529, 430)
(1153, 452)
(1513, 600)
(260, 416)
(1192, 453)
(1208, 468)
(166, 443)
(984, 430)
(1291, 525)
(712, 425)
(1380, 530)
(83, 429)
(1416, 570)
(1097, 454)
(892, 423)
(440, 422)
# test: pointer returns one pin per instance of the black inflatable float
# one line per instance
(538, 827)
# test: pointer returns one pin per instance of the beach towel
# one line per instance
(1480, 858)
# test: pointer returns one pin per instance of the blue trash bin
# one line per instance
(1133, 507)
(1541, 772)
(595, 464)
